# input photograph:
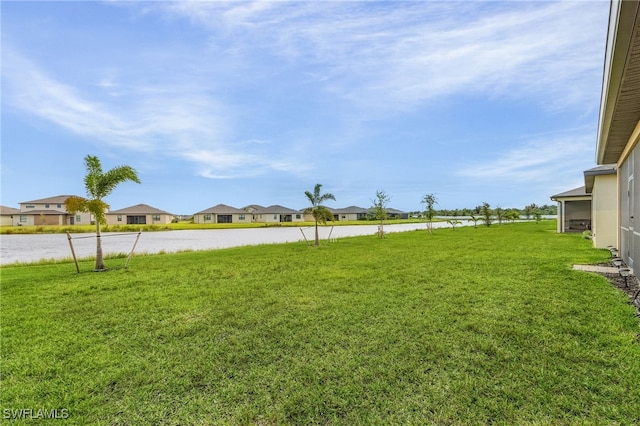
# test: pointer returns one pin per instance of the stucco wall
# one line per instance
(605, 211)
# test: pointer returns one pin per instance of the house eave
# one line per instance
(620, 102)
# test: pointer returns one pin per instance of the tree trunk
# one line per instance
(317, 236)
(99, 261)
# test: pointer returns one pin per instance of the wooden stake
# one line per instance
(126, 265)
(304, 236)
(73, 252)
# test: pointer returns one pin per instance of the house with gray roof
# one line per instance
(7, 214)
(397, 214)
(140, 214)
(49, 211)
(276, 214)
(222, 213)
(574, 210)
(349, 213)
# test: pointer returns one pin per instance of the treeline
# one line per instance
(531, 211)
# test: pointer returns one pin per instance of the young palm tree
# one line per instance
(98, 185)
(319, 212)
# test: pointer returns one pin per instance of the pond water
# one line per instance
(34, 247)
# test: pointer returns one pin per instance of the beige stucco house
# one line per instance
(274, 214)
(348, 213)
(619, 123)
(574, 210)
(7, 214)
(602, 183)
(140, 214)
(49, 211)
(222, 213)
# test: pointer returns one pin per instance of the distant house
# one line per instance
(7, 214)
(397, 214)
(222, 213)
(140, 214)
(49, 211)
(274, 214)
(349, 213)
(619, 124)
(602, 183)
(574, 210)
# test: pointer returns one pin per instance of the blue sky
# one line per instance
(255, 102)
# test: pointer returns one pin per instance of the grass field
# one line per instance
(472, 326)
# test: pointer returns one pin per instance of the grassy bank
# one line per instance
(51, 229)
(472, 326)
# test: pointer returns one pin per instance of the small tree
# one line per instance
(500, 214)
(474, 219)
(319, 212)
(538, 215)
(380, 210)
(453, 223)
(530, 210)
(512, 215)
(98, 185)
(429, 201)
(485, 211)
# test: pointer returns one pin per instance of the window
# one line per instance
(59, 206)
(136, 220)
(275, 216)
(30, 206)
(155, 217)
(23, 219)
(241, 217)
(225, 218)
(46, 206)
(119, 218)
(207, 217)
(297, 216)
(78, 217)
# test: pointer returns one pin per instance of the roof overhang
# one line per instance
(577, 194)
(620, 99)
(590, 175)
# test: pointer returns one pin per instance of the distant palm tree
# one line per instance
(474, 219)
(98, 185)
(319, 212)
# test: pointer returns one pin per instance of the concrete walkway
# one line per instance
(596, 268)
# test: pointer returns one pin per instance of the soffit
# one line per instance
(622, 107)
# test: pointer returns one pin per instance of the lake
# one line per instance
(34, 247)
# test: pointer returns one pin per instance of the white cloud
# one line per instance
(171, 121)
(399, 54)
(536, 160)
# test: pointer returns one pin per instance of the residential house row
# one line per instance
(52, 211)
(609, 202)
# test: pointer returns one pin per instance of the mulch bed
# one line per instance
(631, 289)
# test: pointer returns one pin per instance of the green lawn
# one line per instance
(472, 326)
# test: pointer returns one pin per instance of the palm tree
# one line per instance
(98, 185)
(319, 212)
